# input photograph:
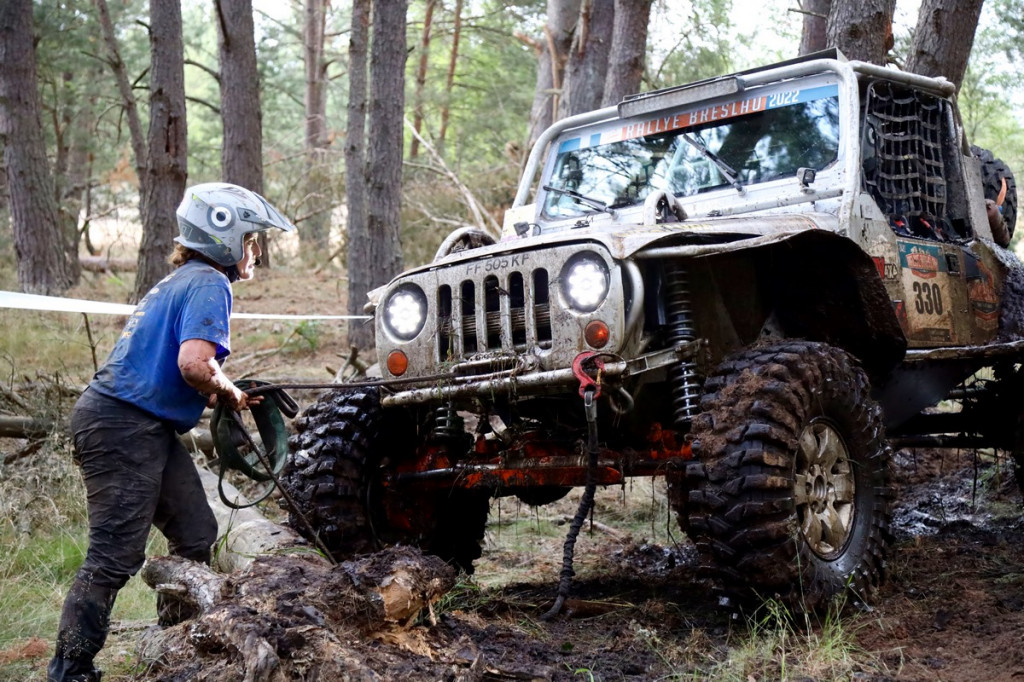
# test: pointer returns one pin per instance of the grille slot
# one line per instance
(498, 314)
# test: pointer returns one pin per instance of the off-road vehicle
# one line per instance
(752, 284)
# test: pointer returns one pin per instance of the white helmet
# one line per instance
(214, 218)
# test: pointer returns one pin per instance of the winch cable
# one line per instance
(289, 500)
(590, 389)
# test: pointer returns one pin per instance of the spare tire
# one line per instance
(993, 171)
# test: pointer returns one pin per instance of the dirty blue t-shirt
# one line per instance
(193, 302)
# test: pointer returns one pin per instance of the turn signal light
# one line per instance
(596, 334)
(397, 363)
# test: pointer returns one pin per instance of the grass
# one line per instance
(44, 535)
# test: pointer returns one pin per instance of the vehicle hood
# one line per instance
(689, 238)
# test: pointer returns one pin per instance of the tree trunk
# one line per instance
(449, 83)
(360, 333)
(385, 147)
(317, 204)
(629, 47)
(38, 241)
(861, 29)
(943, 38)
(131, 109)
(558, 33)
(168, 145)
(73, 166)
(587, 68)
(421, 77)
(814, 36)
(241, 155)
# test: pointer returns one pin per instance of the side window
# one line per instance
(909, 151)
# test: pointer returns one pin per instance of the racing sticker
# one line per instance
(699, 115)
(927, 292)
(981, 291)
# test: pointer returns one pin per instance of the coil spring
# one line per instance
(448, 424)
(684, 377)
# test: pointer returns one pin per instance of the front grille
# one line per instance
(508, 314)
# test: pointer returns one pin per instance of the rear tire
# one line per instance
(993, 171)
(789, 495)
(335, 474)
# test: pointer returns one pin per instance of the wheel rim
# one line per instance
(824, 489)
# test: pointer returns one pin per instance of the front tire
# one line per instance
(789, 495)
(342, 451)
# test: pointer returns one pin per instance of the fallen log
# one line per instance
(24, 427)
(284, 612)
(243, 534)
(270, 620)
(107, 264)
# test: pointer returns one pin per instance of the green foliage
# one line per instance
(993, 88)
(705, 48)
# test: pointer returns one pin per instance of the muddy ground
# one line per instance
(640, 606)
(952, 609)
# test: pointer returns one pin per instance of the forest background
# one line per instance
(472, 81)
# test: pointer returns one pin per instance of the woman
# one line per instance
(163, 371)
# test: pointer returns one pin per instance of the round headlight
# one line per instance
(585, 282)
(405, 312)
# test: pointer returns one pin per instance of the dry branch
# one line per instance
(24, 427)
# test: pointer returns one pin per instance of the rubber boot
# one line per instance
(84, 623)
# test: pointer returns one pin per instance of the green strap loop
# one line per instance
(236, 450)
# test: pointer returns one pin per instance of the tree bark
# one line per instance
(814, 36)
(385, 145)
(242, 150)
(554, 49)
(39, 243)
(587, 68)
(449, 83)
(317, 204)
(421, 77)
(168, 145)
(72, 175)
(124, 87)
(943, 38)
(628, 49)
(359, 333)
(242, 534)
(862, 29)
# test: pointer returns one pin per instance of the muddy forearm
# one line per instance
(206, 376)
(200, 370)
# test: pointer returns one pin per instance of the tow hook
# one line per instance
(588, 383)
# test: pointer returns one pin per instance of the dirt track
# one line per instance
(953, 608)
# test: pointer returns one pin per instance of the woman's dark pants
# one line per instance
(137, 474)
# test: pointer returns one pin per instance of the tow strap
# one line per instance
(235, 447)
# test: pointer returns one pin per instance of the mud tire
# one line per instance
(339, 458)
(749, 485)
(993, 170)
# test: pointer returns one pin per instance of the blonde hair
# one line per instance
(182, 254)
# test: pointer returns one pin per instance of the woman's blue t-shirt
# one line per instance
(193, 302)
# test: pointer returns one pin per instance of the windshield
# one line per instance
(730, 145)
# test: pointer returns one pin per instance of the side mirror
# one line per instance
(806, 176)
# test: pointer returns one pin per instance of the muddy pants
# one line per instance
(137, 474)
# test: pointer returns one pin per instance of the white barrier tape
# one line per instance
(14, 299)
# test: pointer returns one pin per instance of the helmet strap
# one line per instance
(232, 272)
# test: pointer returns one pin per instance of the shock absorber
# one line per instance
(679, 311)
(448, 424)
